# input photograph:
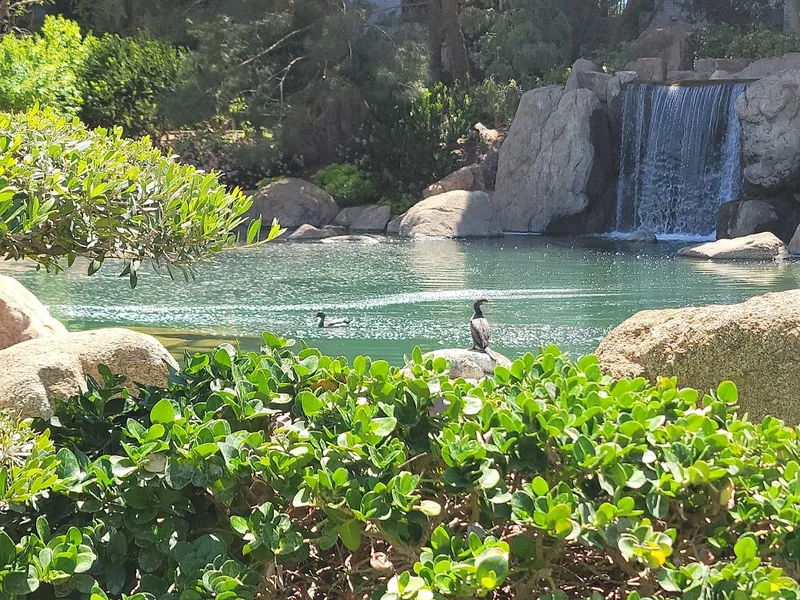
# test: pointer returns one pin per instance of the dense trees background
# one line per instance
(260, 88)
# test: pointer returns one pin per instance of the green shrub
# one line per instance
(277, 474)
(723, 41)
(122, 80)
(410, 143)
(67, 191)
(349, 185)
(498, 101)
(42, 68)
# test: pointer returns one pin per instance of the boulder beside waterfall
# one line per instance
(556, 172)
(769, 112)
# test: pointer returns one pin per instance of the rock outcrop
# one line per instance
(769, 111)
(393, 226)
(741, 218)
(645, 237)
(469, 179)
(309, 232)
(595, 81)
(649, 70)
(372, 219)
(766, 67)
(617, 81)
(293, 202)
(456, 214)
(556, 171)
(469, 364)
(347, 216)
(731, 65)
(22, 316)
(36, 373)
(754, 344)
(760, 246)
(680, 76)
(673, 45)
(794, 244)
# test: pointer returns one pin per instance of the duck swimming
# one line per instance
(479, 327)
(332, 322)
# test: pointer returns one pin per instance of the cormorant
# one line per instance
(479, 327)
(332, 323)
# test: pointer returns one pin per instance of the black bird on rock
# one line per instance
(332, 322)
(479, 327)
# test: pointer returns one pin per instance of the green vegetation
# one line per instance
(730, 42)
(409, 144)
(66, 191)
(43, 68)
(123, 78)
(276, 474)
(349, 185)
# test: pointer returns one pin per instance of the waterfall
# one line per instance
(680, 157)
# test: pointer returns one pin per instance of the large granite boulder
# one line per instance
(373, 218)
(649, 70)
(673, 45)
(22, 316)
(769, 111)
(556, 171)
(466, 178)
(754, 344)
(456, 214)
(393, 226)
(745, 217)
(469, 364)
(293, 202)
(759, 246)
(36, 373)
(766, 67)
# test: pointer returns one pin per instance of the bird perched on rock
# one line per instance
(479, 327)
(332, 322)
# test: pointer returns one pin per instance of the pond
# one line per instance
(567, 291)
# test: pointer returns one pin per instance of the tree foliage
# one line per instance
(275, 475)
(122, 80)
(66, 191)
(42, 68)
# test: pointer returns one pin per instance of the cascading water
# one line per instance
(680, 158)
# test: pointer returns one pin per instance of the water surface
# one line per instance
(567, 291)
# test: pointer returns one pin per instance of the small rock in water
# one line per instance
(351, 239)
(643, 236)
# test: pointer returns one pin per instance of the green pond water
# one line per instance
(567, 291)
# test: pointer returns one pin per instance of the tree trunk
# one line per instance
(444, 32)
(454, 40)
(792, 8)
(435, 41)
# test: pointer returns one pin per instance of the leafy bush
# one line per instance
(67, 191)
(122, 80)
(723, 41)
(281, 475)
(409, 143)
(42, 68)
(349, 185)
(498, 101)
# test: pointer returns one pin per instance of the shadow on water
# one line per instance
(568, 291)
